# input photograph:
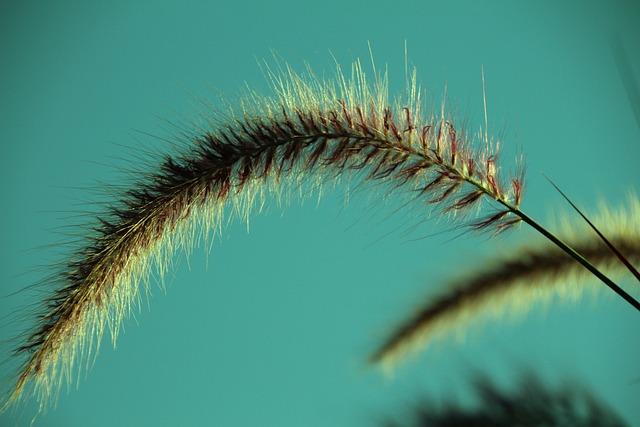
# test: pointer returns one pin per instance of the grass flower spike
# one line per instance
(311, 130)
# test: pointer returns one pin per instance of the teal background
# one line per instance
(274, 327)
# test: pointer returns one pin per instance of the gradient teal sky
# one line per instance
(274, 326)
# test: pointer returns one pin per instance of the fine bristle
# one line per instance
(310, 128)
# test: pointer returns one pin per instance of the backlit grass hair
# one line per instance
(311, 130)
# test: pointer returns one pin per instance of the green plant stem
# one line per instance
(566, 248)
(575, 255)
(621, 257)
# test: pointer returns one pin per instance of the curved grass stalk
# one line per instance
(312, 128)
(515, 283)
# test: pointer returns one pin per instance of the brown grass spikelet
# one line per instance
(310, 128)
(515, 283)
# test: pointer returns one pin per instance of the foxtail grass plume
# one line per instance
(515, 283)
(310, 130)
